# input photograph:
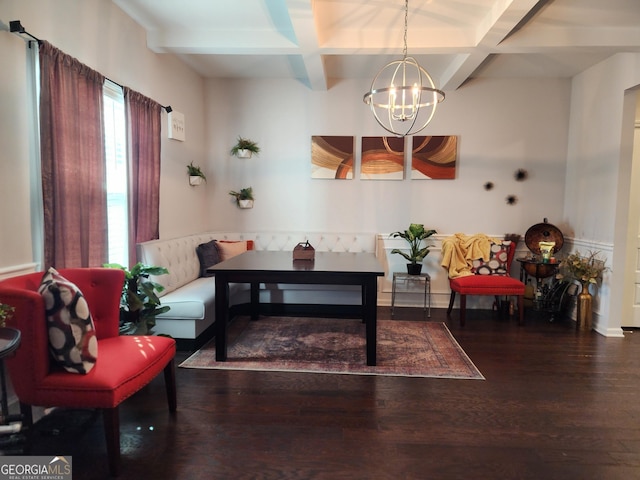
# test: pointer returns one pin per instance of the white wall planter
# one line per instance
(195, 180)
(245, 203)
(244, 153)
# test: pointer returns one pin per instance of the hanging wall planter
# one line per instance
(244, 153)
(196, 176)
(244, 198)
(245, 148)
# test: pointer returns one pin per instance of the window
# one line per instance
(116, 170)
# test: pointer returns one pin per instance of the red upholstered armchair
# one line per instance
(470, 275)
(124, 364)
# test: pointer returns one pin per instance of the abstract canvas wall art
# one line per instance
(434, 157)
(332, 157)
(382, 158)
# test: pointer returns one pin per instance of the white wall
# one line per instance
(502, 125)
(599, 172)
(15, 236)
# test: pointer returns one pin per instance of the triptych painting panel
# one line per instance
(383, 158)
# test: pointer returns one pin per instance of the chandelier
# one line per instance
(403, 97)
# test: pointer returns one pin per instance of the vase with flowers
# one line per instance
(586, 269)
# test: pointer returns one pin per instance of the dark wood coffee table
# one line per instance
(255, 267)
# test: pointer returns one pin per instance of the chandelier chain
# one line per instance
(406, 15)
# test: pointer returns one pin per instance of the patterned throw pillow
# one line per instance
(72, 335)
(208, 256)
(497, 264)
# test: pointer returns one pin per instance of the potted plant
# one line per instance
(244, 198)
(6, 312)
(139, 304)
(196, 176)
(245, 148)
(414, 236)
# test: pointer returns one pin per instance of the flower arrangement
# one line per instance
(584, 268)
(6, 311)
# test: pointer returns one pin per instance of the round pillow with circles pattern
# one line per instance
(497, 264)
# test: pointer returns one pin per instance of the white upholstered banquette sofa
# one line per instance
(192, 296)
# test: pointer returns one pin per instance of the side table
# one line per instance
(408, 281)
(12, 439)
(9, 342)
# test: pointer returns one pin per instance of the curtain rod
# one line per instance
(16, 27)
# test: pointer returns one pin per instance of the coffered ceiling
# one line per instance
(319, 42)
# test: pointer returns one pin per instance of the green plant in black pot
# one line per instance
(139, 304)
(414, 236)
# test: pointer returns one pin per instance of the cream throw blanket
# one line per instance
(460, 250)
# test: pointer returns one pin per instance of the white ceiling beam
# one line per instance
(563, 37)
(303, 20)
(221, 42)
(315, 40)
(502, 19)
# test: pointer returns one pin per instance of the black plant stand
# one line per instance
(11, 442)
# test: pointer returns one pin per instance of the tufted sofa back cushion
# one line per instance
(178, 255)
(322, 242)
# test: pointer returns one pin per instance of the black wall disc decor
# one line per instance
(521, 175)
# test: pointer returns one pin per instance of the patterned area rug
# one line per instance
(329, 345)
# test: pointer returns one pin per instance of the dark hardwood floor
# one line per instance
(556, 404)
